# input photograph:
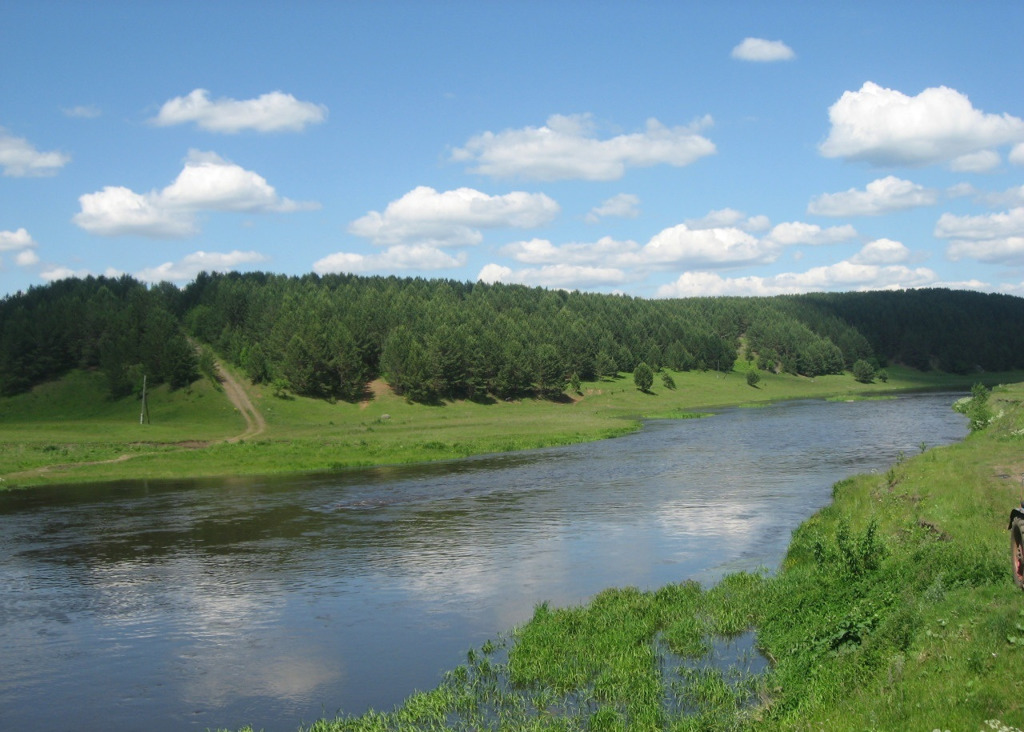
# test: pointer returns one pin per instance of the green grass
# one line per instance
(68, 431)
(894, 610)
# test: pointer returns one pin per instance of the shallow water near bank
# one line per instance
(204, 604)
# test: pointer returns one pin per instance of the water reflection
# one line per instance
(216, 604)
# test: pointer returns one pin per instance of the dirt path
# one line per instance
(255, 424)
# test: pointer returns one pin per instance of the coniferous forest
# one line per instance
(329, 336)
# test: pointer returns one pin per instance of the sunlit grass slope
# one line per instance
(68, 431)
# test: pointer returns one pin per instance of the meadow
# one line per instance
(68, 431)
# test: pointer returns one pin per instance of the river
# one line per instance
(274, 602)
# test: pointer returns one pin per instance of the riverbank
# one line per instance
(894, 609)
(69, 432)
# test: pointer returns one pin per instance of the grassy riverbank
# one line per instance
(894, 610)
(69, 432)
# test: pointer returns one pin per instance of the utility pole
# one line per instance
(145, 410)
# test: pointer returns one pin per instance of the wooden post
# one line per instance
(145, 412)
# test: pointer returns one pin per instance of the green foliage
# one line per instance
(433, 340)
(863, 371)
(753, 377)
(667, 381)
(976, 408)
(643, 377)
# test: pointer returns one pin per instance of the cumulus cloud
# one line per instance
(993, 238)
(611, 261)
(22, 244)
(758, 49)
(15, 240)
(727, 217)
(452, 218)
(562, 276)
(886, 127)
(884, 195)
(541, 251)
(705, 247)
(881, 251)
(20, 159)
(793, 233)
(405, 257)
(985, 226)
(26, 258)
(844, 275)
(1017, 154)
(623, 205)
(63, 273)
(567, 148)
(207, 183)
(1012, 197)
(982, 161)
(272, 112)
(191, 265)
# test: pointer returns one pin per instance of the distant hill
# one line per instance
(330, 336)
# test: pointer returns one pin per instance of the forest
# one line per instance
(434, 339)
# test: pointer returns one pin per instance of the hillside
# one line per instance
(435, 340)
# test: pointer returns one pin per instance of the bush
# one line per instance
(753, 377)
(643, 377)
(863, 371)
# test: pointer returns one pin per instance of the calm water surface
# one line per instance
(170, 606)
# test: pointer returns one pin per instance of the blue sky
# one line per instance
(658, 149)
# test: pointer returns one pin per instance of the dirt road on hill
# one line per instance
(255, 424)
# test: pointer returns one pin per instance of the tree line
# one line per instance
(329, 336)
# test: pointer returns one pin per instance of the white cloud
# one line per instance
(273, 112)
(881, 251)
(14, 240)
(1017, 154)
(206, 183)
(541, 251)
(399, 257)
(561, 276)
(845, 275)
(1012, 197)
(758, 49)
(191, 265)
(85, 111)
(708, 247)
(982, 161)
(728, 217)
(793, 233)
(678, 246)
(1006, 250)
(452, 218)
(20, 159)
(886, 127)
(63, 273)
(22, 244)
(986, 226)
(567, 148)
(26, 258)
(878, 197)
(623, 205)
(992, 238)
